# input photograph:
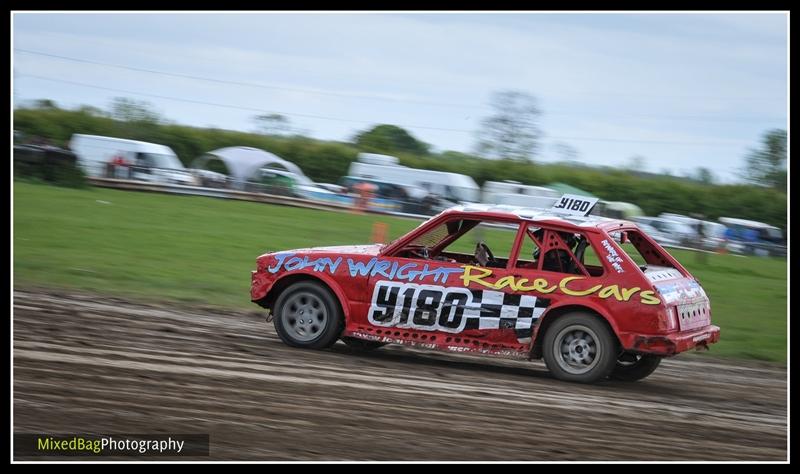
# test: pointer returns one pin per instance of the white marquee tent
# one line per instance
(243, 162)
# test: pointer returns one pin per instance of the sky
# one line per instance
(681, 91)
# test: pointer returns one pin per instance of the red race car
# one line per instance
(594, 297)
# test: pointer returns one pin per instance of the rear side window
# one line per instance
(639, 249)
(591, 261)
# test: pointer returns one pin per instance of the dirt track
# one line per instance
(86, 364)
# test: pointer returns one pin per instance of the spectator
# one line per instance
(120, 168)
(365, 193)
(701, 250)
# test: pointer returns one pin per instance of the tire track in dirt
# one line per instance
(83, 363)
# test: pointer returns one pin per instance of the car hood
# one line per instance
(372, 249)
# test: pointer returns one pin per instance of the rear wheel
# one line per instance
(579, 347)
(633, 367)
(308, 315)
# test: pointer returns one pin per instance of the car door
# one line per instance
(548, 258)
(142, 169)
(450, 292)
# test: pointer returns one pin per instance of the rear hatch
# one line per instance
(685, 299)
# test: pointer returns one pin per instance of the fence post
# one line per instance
(379, 230)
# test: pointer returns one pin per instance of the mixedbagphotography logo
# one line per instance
(40, 444)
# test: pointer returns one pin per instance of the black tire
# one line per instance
(580, 347)
(306, 314)
(361, 344)
(633, 367)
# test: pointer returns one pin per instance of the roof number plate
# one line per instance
(574, 205)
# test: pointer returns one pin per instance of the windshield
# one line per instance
(157, 160)
(433, 237)
(773, 233)
(303, 179)
(273, 173)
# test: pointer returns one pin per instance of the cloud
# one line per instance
(626, 77)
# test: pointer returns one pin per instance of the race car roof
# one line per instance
(538, 214)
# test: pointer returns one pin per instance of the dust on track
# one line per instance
(90, 364)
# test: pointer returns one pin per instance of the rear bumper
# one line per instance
(670, 344)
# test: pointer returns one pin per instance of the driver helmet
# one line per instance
(569, 238)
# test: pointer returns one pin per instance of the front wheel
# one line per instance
(580, 347)
(308, 315)
(633, 367)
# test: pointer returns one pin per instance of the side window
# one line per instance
(625, 244)
(498, 237)
(144, 160)
(559, 256)
(529, 250)
(562, 252)
(457, 241)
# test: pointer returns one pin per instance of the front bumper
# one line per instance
(670, 344)
(260, 283)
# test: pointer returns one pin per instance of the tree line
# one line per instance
(327, 161)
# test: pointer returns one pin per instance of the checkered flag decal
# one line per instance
(497, 310)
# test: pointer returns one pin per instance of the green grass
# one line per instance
(201, 250)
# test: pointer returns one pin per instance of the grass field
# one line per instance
(201, 250)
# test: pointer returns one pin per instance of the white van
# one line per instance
(518, 194)
(148, 161)
(522, 200)
(376, 159)
(452, 186)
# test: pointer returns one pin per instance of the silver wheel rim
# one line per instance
(304, 316)
(576, 349)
